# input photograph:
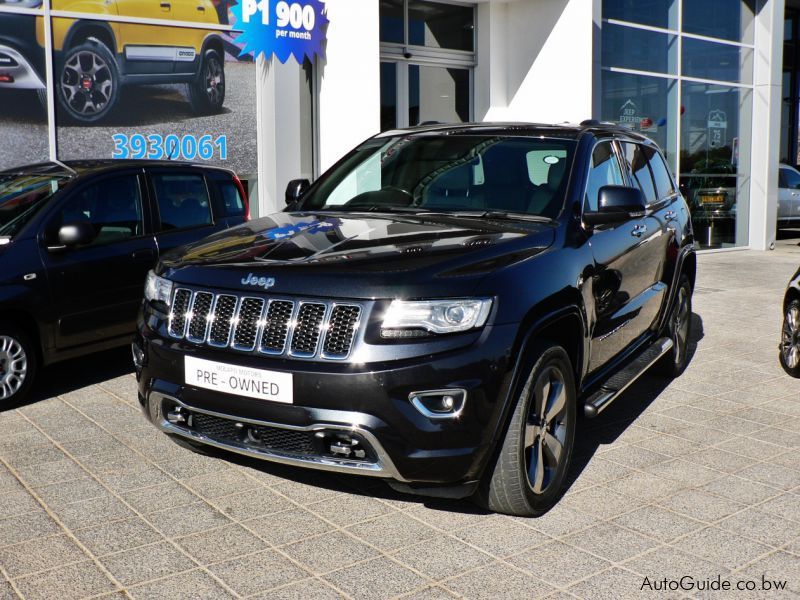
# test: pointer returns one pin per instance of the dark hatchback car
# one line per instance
(76, 242)
(435, 310)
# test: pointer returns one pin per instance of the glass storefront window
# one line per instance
(722, 62)
(639, 49)
(656, 13)
(438, 94)
(648, 105)
(391, 21)
(438, 25)
(388, 95)
(725, 19)
(715, 142)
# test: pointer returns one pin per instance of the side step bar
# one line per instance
(612, 388)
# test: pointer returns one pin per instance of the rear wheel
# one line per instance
(17, 365)
(207, 93)
(528, 474)
(790, 339)
(678, 328)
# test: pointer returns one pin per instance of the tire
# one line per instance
(512, 484)
(41, 95)
(207, 92)
(18, 365)
(679, 329)
(789, 353)
(87, 83)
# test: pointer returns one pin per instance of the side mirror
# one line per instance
(74, 234)
(296, 189)
(617, 204)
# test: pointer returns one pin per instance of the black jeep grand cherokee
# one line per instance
(434, 310)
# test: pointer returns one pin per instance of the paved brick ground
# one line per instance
(699, 476)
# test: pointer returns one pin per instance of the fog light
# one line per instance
(439, 404)
(137, 352)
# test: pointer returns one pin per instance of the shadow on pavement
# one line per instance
(77, 373)
(590, 435)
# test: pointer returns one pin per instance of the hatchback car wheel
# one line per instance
(528, 474)
(207, 94)
(17, 365)
(88, 82)
(790, 339)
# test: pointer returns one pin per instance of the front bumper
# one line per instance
(19, 69)
(366, 405)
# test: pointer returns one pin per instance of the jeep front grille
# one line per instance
(304, 329)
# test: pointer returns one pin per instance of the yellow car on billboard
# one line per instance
(95, 58)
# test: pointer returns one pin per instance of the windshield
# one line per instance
(21, 197)
(449, 173)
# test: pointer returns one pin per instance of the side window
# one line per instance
(112, 206)
(604, 171)
(232, 200)
(664, 182)
(636, 157)
(791, 179)
(182, 200)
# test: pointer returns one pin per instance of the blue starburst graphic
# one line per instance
(282, 28)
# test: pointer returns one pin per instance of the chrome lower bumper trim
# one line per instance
(383, 467)
(25, 76)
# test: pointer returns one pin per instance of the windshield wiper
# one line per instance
(502, 215)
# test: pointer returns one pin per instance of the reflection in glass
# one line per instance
(388, 95)
(437, 94)
(639, 49)
(657, 13)
(725, 19)
(648, 105)
(715, 147)
(722, 62)
(438, 25)
(391, 21)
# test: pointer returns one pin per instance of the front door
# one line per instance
(624, 293)
(97, 288)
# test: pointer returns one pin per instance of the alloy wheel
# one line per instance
(215, 81)
(87, 83)
(680, 324)
(790, 339)
(13, 366)
(545, 429)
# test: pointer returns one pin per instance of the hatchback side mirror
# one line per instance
(617, 204)
(296, 189)
(74, 234)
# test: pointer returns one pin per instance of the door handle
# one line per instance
(143, 253)
(671, 215)
(639, 230)
(166, 5)
(201, 8)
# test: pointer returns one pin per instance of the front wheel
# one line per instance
(790, 339)
(527, 476)
(17, 365)
(88, 83)
(207, 93)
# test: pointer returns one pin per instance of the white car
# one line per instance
(788, 197)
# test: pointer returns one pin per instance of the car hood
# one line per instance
(357, 255)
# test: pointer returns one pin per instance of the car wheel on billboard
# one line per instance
(42, 96)
(88, 82)
(207, 94)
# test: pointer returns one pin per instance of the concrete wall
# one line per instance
(537, 58)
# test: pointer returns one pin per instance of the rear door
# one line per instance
(182, 201)
(97, 288)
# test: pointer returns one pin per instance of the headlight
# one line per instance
(410, 318)
(157, 289)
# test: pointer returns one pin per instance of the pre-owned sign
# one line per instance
(282, 28)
